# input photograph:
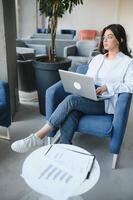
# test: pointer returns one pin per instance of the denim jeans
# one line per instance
(67, 114)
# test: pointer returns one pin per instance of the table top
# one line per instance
(35, 157)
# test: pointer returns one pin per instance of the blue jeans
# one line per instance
(67, 114)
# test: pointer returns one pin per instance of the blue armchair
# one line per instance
(112, 126)
(5, 112)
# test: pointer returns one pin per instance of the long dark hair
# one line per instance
(120, 35)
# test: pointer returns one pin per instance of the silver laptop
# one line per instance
(79, 84)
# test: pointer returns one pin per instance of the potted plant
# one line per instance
(46, 68)
(54, 9)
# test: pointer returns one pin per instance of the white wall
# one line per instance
(3, 61)
(125, 18)
(93, 14)
(27, 17)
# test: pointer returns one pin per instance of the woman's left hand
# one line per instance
(101, 89)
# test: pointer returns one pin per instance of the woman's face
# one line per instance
(110, 43)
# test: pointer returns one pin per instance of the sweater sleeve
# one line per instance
(125, 86)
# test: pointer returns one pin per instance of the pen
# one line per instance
(48, 150)
(89, 154)
(88, 174)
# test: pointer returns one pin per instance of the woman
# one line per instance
(112, 71)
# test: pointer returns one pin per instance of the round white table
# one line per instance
(33, 160)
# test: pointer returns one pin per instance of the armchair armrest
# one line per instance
(120, 121)
(54, 95)
(70, 50)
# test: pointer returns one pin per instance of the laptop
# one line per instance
(80, 84)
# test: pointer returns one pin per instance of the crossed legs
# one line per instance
(65, 117)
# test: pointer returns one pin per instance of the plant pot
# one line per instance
(46, 74)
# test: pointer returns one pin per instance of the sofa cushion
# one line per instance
(39, 49)
(87, 34)
(60, 44)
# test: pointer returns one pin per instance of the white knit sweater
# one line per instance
(116, 74)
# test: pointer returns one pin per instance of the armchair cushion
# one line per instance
(100, 125)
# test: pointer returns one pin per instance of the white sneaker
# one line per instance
(26, 144)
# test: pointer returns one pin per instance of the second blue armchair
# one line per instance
(5, 112)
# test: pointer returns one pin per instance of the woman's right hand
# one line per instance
(101, 89)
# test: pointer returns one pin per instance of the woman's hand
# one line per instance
(101, 89)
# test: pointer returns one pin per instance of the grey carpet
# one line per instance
(113, 184)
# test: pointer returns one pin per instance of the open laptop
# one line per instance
(79, 84)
